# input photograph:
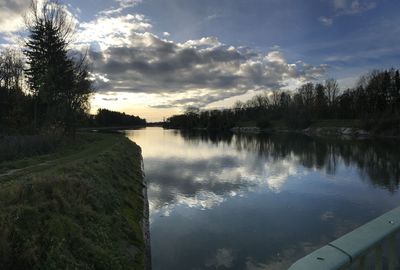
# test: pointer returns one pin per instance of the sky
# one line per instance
(154, 58)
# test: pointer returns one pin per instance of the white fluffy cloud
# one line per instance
(11, 15)
(109, 31)
(195, 72)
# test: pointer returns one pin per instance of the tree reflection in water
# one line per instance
(225, 201)
(378, 160)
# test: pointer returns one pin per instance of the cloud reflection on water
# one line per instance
(205, 183)
(199, 169)
(259, 202)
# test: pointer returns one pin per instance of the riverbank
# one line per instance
(111, 128)
(80, 209)
(320, 131)
(342, 129)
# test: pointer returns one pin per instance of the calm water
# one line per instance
(223, 201)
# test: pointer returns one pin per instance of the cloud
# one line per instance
(128, 3)
(108, 31)
(344, 7)
(203, 70)
(162, 106)
(122, 5)
(11, 14)
(348, 7)
(127, 57)
(205, 41)
(340, 4)
(326, 21)
(12, 22)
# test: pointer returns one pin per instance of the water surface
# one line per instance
(223, 201)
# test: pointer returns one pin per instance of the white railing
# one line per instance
(377, 238)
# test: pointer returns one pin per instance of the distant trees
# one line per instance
(107, 118)
(59, 84)
(212, 119)
(375, 100)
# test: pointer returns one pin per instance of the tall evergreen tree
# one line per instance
(60, 85)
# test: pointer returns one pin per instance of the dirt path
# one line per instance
(15, 171)
(89, 150)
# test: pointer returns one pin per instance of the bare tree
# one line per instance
(275, 98)
(11, 69)
(51, 14)
(332, 91)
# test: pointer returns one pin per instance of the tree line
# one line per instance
(375, 101)
(107, 118)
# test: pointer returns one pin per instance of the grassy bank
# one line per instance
(81, 208)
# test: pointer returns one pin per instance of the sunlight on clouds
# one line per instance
(11, 18)
(111, 31)
(12, 14)
(276, 56)
(205, 41)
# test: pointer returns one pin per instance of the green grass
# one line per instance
(81, 209)
(67, 147)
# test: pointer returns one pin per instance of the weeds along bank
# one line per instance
(82, 209)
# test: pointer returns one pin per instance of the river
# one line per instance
(224, 201)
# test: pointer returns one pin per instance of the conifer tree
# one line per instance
(60, 86)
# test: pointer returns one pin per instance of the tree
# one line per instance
(11, 69)
(396, 97)
(13, 102)
(59, 84)
(320, 101)
(284, 101)
(306, 92)
(332, 91)
(76, 97)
